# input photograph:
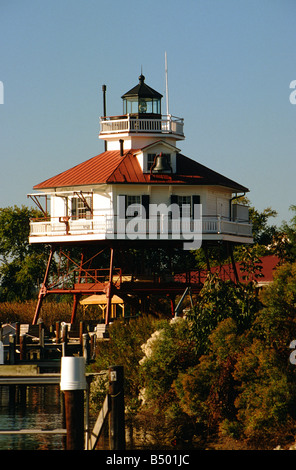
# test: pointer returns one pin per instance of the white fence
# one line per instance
(167, 124)
(159, 226)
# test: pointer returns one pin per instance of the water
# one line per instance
(39, 407)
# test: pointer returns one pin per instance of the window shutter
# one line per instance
(174, 200)
(121, 208)
(74, 207)
(195, 208)
(145, 204)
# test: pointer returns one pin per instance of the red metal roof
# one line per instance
(95, 170)
(111, 167)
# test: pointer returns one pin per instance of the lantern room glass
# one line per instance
(141, 106)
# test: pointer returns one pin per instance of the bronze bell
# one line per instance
(161, 164)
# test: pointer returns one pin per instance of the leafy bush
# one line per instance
(221, 373)
(170, 351)
(124, 348)
(219, 300)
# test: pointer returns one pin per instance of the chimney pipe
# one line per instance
(121, 147)
(104, 108)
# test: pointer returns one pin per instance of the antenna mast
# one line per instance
(166, 85)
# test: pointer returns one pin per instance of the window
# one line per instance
(188, 205)
(184, 202)
(81, 207)
(139, 203)
(151, 157)
(136, 202)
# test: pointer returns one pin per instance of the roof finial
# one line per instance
(141, 77)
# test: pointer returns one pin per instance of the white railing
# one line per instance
(219, 225)
(104, 225)
(168, 124)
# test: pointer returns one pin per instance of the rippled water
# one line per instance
(39, 407)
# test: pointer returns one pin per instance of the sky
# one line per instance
(230, 66)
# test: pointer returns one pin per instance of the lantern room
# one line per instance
(142, 99)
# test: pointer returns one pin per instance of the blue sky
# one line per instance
(230, 64)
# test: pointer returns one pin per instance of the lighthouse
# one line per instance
(141, 192)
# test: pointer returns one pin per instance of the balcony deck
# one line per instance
(109, 228)
(127, 124)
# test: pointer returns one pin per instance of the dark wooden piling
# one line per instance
(58, 331)
(116, 416)
(64, 339)
(23, 347)
(74, 414)
(17, 332)
(41, 340)
(81, 333)
(12, 355)
(73, 384)
(93, 346)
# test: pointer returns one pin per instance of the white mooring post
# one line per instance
(73, 384)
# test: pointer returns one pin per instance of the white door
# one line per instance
(223, 207)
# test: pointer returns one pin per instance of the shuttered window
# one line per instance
(127, 200)
(81, 209)
(189, 205)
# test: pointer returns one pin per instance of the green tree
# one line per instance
(167, 352)
(265, 395)
(21, 265)
(263, 232)
(217, 301)
(207, 391)
(276, 322)
(285, 239)
(124, 348)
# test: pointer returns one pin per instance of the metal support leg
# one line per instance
(109, 293)
(42, 291)
(76, 296)
(233, 263)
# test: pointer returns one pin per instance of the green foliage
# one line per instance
(217, 301)
(265, 394)
(22, 265)
(124, 348)
(169, 351)
(262, 232)
(276, 322)
(239, 382)
(207, 390)
(249, 259)
(285, 240)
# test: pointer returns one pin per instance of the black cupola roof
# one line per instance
(142, 91)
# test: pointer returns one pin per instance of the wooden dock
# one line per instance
(29, 375)
(36, 344)
(36, 361)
